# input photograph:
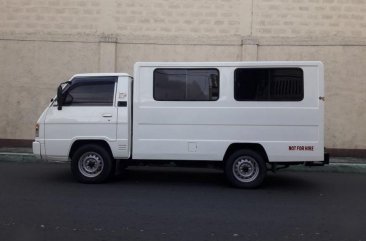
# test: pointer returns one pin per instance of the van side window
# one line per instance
(90, 94)
(269, 84)
(186, 84)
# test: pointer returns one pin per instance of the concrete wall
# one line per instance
(30, 72)
(43, 42)
(143, 17)
(309, 18)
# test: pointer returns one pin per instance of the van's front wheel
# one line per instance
(245, 169)
(91, 164)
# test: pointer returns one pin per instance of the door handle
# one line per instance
(107, 115)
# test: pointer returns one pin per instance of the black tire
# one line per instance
(92, 164)
(245, 169)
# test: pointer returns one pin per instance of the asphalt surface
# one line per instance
(41, 201)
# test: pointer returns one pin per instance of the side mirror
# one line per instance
(59, 98)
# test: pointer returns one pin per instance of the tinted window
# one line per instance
(90, 93)
(186, 84)
(271, 84)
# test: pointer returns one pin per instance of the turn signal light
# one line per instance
(37, 130)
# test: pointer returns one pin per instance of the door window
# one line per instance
(93, 93)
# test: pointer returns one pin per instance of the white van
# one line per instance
(246, 116)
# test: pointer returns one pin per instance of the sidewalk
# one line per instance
(17, 154)
(337, 164)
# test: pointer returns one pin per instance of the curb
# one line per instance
(336, 166)
(332, 167)
(18, 157)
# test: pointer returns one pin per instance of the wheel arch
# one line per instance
(252, 146)
(78, 143)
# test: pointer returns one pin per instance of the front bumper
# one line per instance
(36, 146)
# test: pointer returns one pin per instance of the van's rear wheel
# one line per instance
(245, 169)
(92, 164)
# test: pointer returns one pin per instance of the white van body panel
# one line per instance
(139, 127)
(72, 123)
(203, 130)
(122, 149)
(63, 127)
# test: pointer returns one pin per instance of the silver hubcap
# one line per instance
(245, 169)
(91, 164)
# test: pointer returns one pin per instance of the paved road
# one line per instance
(41, 201)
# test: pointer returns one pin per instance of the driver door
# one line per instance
(88, 112)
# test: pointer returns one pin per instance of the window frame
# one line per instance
(185, 68)
(269, 100)
(95, 80)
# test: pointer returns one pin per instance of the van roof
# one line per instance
(100, 74)
(230, 64)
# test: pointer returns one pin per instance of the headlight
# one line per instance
(37, 130)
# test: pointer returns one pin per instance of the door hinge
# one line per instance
(322, 98)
